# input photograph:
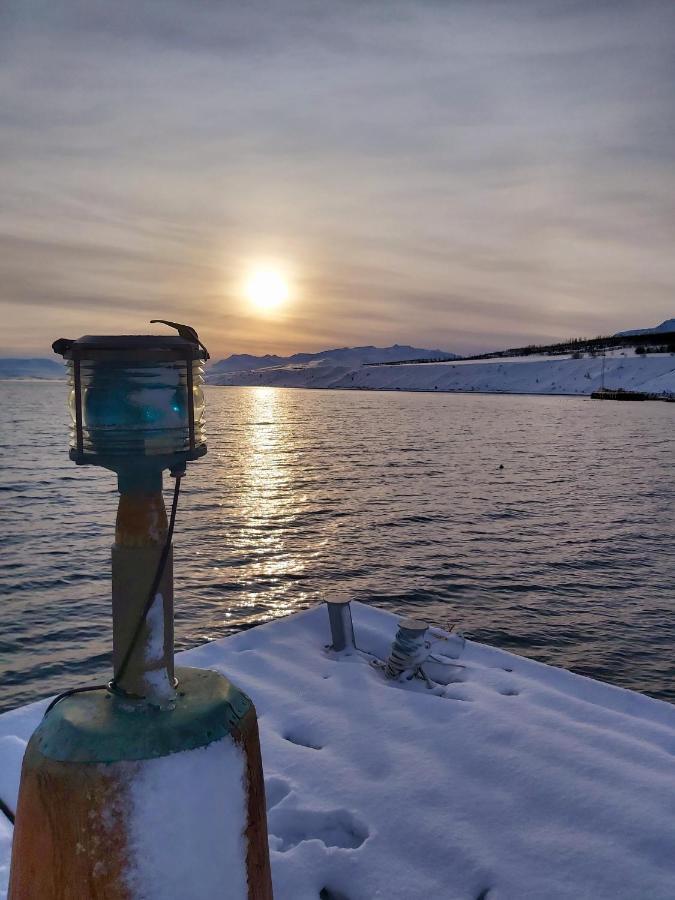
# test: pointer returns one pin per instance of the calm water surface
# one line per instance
(567, 554)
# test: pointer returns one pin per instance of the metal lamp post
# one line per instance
(137, 409)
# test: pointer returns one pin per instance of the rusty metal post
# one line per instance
(140, 535)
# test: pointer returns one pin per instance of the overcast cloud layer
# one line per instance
(465, 175)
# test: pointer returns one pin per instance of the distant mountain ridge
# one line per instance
(348, 356)
(344, 357)
(668, 325)
(11, 367)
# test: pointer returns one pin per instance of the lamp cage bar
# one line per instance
(190, 401)
(79, 432)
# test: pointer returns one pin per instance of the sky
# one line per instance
(454, 175)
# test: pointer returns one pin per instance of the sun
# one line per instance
(266, 289)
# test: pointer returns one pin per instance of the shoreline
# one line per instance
(397, 390)
(493, 393)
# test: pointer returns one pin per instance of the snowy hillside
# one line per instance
(653, 373)
(668, 325)
(507, 780)
(344, 356)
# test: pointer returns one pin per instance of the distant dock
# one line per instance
(621, 394)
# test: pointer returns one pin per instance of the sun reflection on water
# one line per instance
(269, 504)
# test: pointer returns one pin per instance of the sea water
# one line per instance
(544, 525)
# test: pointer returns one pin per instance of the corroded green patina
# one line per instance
(99, 727)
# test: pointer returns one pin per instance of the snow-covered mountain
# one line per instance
(668, 325)
(31, 368)
(341, 356)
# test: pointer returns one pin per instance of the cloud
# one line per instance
(472, 171)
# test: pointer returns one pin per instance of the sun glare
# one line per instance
(266, 289)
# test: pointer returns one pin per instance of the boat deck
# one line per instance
(514, 780)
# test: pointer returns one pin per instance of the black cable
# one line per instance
(161, 565)
(5, 810)
(69, 693)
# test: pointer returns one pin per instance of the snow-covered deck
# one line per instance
(517, 781)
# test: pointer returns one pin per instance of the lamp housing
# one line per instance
(136, 401)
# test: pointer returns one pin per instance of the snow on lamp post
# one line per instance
(151, 785)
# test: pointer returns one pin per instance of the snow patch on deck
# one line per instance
(515, 781)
